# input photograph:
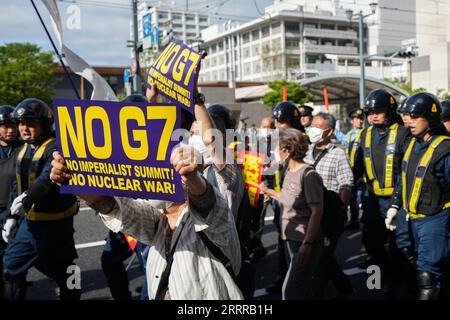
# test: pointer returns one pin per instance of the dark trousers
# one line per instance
(329, 270)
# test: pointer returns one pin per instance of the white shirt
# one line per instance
(195, 273)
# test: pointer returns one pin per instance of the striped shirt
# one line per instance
(231, 185)
(334, 168)
(195, 273)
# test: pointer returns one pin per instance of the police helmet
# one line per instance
(425, 105)
(135, 97)
(222, 116)
(356, 113)
(36, 109)
(6, 114)
(305, 111)
(379, 99)
(287, 111)
(445, 110)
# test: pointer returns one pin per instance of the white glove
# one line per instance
(17, 208)
(8, 229)
(390, 218)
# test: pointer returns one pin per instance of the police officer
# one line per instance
(379, 160)
(425, 190)
(286, 115)
(352, 141)
(306, 116)
(446, 114)
(44, 239)
(8, 143)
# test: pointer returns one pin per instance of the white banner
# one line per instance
(102, 90)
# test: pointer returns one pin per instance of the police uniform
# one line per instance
(379, 161)
(45, 237)
(8, 177)
(425, 194)
(306, 111)
(445, 115)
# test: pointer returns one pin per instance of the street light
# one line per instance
(360, 16)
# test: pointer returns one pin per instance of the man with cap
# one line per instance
(352, 140)
(378, 159)
(446, 114)
(306, 116)
(424, 190)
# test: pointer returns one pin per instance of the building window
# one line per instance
(276, 44)
(255, 34)
(293, 62)
(310, 26)
(162, 15)
(276, 28)
(246, 37)
(292, 27)
(292, 43)
(190, 17)
(176, 16)
(212, 49)
(177, 25)
(190, 26)
(256, 67)
(220, 46)
(203, 19)
(256, 50)
(222, 59)
(312, 59)
(178, 35)
(247, 68)
(246, 52)
(265, 31)
(327, 26)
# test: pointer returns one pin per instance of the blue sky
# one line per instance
(104, 24)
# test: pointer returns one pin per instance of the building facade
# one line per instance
(172, 23)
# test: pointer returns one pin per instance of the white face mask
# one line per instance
(315, 135)
(160, 204)
(196, 142)
(264, 133)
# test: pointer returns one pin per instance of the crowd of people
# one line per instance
(394, 166)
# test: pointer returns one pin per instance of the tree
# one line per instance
(295, 93)
(25, 72)
(442, 94)
(404, 85)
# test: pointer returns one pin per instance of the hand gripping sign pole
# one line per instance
(56, 51)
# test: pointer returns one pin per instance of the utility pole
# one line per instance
(361, 18)
(137, 86)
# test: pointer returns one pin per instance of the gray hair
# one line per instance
(329, 118)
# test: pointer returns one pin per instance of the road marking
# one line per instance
(354, 235)
(353, 271)
(90, 244)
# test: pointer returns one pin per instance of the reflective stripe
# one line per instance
(33, 166)
(387, 188)
(277, 181)
(46, 216)
(349, 136)
(354, 148)
(411, 205)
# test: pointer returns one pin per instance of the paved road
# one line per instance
(90, 234)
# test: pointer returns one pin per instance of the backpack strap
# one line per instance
(217, 253)
(319, 157)
(164, 282)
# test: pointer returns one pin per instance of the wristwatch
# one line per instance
(199, 98)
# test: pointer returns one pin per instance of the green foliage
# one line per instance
(295, 93)
(404, 85)
(25, 72)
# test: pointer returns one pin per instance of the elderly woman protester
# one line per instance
(301, 200)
